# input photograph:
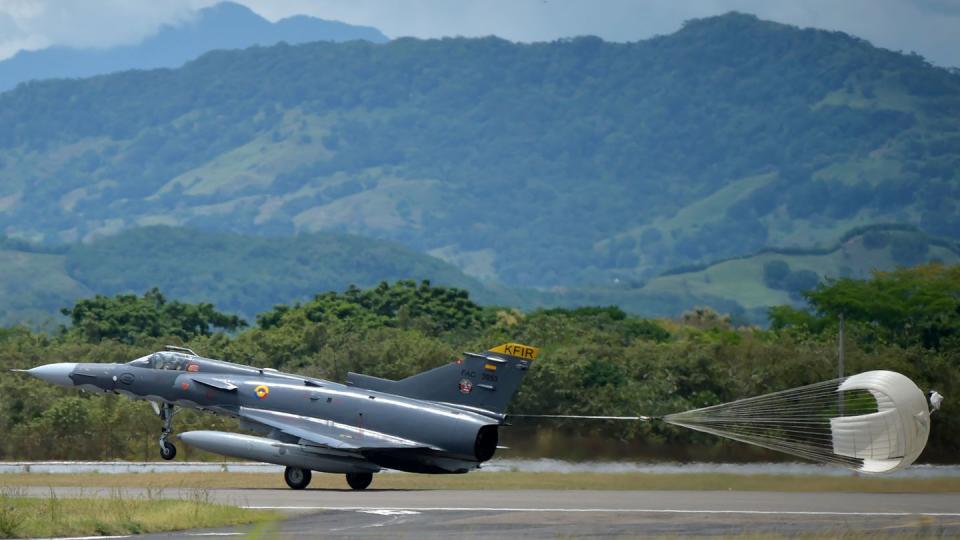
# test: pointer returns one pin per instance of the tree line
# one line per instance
(594, 360)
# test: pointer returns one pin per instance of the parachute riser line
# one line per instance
(588, 417)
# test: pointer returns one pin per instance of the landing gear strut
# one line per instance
(167, 450)
(297, 478)
(359, 481)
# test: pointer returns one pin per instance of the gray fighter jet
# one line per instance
(441, 421)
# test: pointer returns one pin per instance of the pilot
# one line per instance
(156, 361)
(935, 400)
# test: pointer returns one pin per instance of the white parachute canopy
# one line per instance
(874, 422)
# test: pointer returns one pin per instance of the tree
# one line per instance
(783, 317)
(801, 280)
(910, 306)
(129, 318)
(404, 304)
(774, 272)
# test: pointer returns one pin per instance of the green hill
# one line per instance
(237, 273)
(248, 275)
(569, 163)
(748, 286)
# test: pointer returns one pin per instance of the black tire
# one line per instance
(297, 478)
(168, 451)
(359, 480)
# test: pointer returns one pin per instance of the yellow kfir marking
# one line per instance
(490, 367)
(515, 349)
(262, 391)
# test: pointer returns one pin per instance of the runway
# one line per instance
(548, 514)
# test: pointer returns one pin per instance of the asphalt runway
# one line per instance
(549, 514)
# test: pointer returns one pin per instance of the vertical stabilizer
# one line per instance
(483, 380)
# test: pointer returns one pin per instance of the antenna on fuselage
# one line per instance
(174, 348)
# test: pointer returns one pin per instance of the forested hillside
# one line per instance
(569, 163)
(247, 275)
(240, 274)
(746, 287)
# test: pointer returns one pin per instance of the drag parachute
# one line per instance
(874, 422)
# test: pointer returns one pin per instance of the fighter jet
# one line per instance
(441, 421)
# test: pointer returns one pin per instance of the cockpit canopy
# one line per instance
(167, 360)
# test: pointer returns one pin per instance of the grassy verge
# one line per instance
(22, 517)
(506, 480)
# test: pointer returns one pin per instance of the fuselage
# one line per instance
(441, 437)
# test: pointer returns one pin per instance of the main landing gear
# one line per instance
(167, 450)
(358, 481)
(298, 478)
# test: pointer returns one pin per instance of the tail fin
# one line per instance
(482, 380)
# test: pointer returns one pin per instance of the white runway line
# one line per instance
(493, 466)
(389, 512)
(372, 509)
(83, 537)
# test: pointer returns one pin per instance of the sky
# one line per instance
(930, 28)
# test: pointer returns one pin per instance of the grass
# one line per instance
(258, 161)
(505, 480)
(22, 516)
(742, 279)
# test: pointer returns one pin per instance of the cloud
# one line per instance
(33, 24)
(13, 38)
(942, 7)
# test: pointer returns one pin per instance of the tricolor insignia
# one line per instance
(490, 367)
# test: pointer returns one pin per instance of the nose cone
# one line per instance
(54, 373)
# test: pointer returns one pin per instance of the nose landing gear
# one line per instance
(167, 450)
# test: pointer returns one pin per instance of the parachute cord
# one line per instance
(588, 417)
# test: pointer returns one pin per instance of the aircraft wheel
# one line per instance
(168, 451)
(297, 478)
(359, 481)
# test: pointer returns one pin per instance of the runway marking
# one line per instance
(393, 515)
(389, 512)
(83, 537)
(372, 509)
(129, 536)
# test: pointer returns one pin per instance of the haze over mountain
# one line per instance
(223, 26)
(573, 164)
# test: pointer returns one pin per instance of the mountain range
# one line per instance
(223, 26)
(566, 172)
